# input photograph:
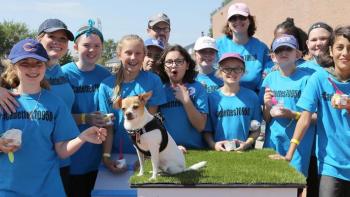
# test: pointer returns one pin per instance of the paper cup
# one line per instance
(15, 135)
(230, 145)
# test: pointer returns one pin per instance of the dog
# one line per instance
(151, 138)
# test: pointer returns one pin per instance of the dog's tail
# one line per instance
(197, 166)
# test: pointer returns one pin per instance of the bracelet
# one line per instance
(107, 155)
(297, 115)
(83, 118)
(295, 141)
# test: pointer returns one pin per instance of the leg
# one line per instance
(154, 149)
(141, 161)
(82, 185)
(330, 187)
(65, 177)
(312, 181)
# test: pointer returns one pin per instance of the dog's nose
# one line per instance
(129, 115)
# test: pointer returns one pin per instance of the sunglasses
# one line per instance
(237, 17)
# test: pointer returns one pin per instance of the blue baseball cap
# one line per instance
(28, 48)
(285, 40)
(52, 25)
(154, 42)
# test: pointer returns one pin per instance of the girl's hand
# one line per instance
(242, 145)
(113, 165)
(268, 98)
(94, 135)
(8, 101)
(284, 113)
(181, 93)
(279, 157)
(96, 119)
(220, 145)
(6, 146)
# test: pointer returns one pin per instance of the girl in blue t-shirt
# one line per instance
(239, 30)
(232, 109)
(48, 129)
(186, 108)
(328, 93)
(205, 52)
(280, 91)
(85, 76)
(130, 80)
(54, 36)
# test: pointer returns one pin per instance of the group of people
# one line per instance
(215, 97)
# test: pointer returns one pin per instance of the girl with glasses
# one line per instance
(232, 109)
(186, 99)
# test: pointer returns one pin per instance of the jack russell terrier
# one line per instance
(151, 138)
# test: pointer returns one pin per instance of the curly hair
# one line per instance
(251, 28)
(190, 74)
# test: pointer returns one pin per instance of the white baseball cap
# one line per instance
(205, 42)
(238, 9)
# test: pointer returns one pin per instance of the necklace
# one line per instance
(36, 106)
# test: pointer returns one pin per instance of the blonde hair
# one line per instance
(10, 80)
(120, 72)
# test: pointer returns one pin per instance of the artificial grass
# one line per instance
(225, 168)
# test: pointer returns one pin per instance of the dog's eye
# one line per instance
(123, 108)
(135, 107)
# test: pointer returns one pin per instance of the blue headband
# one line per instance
(88, 30)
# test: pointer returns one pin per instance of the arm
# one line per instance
(93, 135)
(7, 100)
(218, 146)
(197, 119)
(300, 129)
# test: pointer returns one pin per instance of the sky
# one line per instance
(188, 18)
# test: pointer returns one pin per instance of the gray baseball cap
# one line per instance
(161, 17)
(52, 25)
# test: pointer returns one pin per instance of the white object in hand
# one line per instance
(15, 135)
(254, 125)
(276, 109)
(343, 99)
(108, 118)
(121, 163)
(230, 145)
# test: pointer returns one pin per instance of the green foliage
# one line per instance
(66, 58)
(225, 2)
(251, 167)
(10, 33)
(109, 48)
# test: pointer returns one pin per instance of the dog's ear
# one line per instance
(145, 96)
(117, 103)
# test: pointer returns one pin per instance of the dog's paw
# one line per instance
(153, 178)
(140, 174)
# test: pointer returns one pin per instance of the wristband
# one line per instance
(297, 115)
(107, 155)
(83, 118)
(250, 139)
(295, 141)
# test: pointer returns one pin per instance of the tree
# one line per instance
(10, 33)
(66, 58)
(109, 51)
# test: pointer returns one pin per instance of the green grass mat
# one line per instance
(251, 167)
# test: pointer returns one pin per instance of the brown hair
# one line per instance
(120, 72)
(10, 80)
(251, 29)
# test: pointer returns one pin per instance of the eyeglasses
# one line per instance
(236, 70)
(178, 62)
(159, 29)
(283, 48)
(237, 17)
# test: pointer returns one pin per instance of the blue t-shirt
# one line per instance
(35, 171)
(144, 82)
(279, 131)
(85, 85)
(230, 116)
(333, 125)
(210, 81)
(60, 87)
(311, 66)
(176, 120)
(256, 57)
